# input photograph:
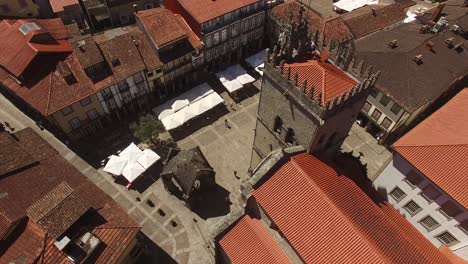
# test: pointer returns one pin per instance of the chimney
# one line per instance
(459, 47)
(324, 55)
(135, 7)
(449, 42)
(393, 44)
(418, 59)
(115, 61)
(430, 45)
(424, 29)
(81, 43)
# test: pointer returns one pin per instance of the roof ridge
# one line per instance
(424, 146)
(49, 93)
(118, 227)
(256, 231)
(346, 219)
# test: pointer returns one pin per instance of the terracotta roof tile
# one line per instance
(327, 79)
(327, 218)
(12, 155)
(371, 18)
(204, 10)
(161, 25)
(122, 48)
(249, 242)
(58, 5)
(438, 147)
(116, 232)
(5, 224)
(150, 57)
(86, 51)
(192, 37)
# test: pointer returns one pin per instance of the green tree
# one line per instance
(147, 127)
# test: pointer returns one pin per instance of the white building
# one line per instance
(427, 180)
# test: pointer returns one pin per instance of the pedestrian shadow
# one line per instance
(213, 203)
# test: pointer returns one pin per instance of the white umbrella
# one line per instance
(132, 171)
(115, 165)
(171, 122)
(199, 107)
(233, 85)
(179, 104)
(131, 153)
(148, 158)
(165, 113)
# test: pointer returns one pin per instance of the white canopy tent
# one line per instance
(148, 158)
(115, 165)
(350, 5)
(131, 153)
(257, 61)
(179, 104)
(193, 110)
(132, 171)
(165, 113)
(234, 77)
(196, 93)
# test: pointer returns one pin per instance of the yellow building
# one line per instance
(18, 8)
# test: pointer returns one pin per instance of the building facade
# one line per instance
(311, 102)
(230, 30)
(426, 180)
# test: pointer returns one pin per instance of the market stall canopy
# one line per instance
(131, 153)
(234, 77)
(179, 104)
(148, 158)
(132, 171)
(165, 113)
(115, 165)
(257, 61)
(206, 104)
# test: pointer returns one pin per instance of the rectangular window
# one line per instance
(412, 207)
(137, 77)
(123, 85)
(397, 194)
(376, 114)
(384, 100)
(216, 38)
(224, 35)
(374, 92)
(86, 101)
(430, 193)
(5, 8)
(386, 123)
(395, 108)
(447, 239)
(75, 123)
(66, 110)
(464, 226)
(366, 107)
(450, 209)
(413, 178)
(208, 41)
(92, 114)
(429, 223)
(234, 30)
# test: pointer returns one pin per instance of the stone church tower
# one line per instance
(306, 100)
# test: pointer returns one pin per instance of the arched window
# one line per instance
(278, 124)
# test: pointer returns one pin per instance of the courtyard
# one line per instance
(180, 232)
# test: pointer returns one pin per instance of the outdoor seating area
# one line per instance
(187, 106)
(131, 163)
(257, 61)
(234, 78)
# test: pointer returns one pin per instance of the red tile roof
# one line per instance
(204, 10)
(371, 18)
(327, 218)
(249, 242)
(17, 50)
(58, 5)
(438, 147)
(161, 25)
(327, 79)
(27, 246)
(192, 37)
(27, 186)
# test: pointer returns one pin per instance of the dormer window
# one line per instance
(28, 27)
(278, 124)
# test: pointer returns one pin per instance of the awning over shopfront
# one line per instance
(257, 61)
(234, 77)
